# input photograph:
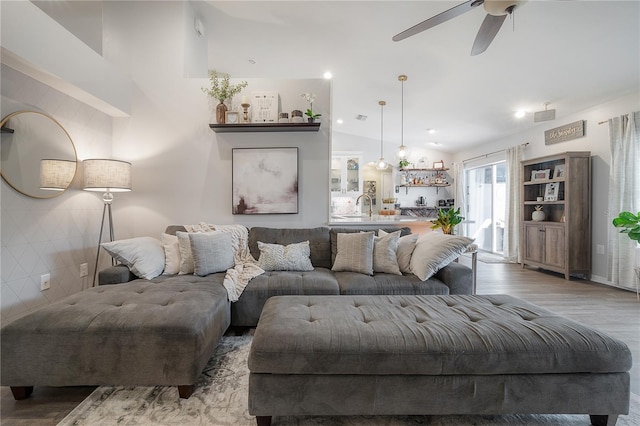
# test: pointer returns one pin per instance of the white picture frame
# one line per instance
(551, 192)
(231, 117)
(264, 107)
(558, 171)
(540, 174)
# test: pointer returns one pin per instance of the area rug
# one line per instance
(220, 399)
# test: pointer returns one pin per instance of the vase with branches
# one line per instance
(221, 89)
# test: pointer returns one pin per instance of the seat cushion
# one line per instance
(159, 332)
(246, 311)
(426, 335)
(352, 283)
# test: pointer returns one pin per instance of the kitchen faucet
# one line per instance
(370, 202)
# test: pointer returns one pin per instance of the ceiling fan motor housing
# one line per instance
(501, 7)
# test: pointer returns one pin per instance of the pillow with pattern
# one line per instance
(292, 257)
(355, 253)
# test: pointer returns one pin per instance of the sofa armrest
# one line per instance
(115, 275)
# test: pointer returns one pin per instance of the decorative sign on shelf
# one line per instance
(264, 107)
(564, 133)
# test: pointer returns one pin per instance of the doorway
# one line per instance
(485, 188)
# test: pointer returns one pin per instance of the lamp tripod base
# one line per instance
(105, 209)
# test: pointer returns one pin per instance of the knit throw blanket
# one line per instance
(245, 267)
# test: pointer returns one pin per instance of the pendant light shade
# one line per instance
(382, 164)
(402, 150)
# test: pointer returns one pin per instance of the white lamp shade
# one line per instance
(106, 175)
(56, 175)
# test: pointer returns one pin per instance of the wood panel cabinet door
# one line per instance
(554, 246)
(534, 242)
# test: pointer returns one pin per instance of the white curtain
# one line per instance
(514, 204)
(624, 193)
(459, 192)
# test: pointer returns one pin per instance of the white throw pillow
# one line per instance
(292, 257)
(406, 245)
(435, 250)
(186, 258)
(212, 252)
(384, 253)
(355, 253)
(171, 254)
(143, 255)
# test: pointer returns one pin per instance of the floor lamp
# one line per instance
(107, 176)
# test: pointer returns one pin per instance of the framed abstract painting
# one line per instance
(265, 180)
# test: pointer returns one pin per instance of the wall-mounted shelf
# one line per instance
(265, 127)
(431, 185)
(423, 170)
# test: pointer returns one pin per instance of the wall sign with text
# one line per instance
(564, 133)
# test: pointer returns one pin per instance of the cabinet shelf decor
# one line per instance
(265, 127)
(561, 185)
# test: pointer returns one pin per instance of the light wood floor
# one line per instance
(614, 311)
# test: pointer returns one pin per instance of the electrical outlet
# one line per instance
(84, 269)
(45, 282)
(600, 249)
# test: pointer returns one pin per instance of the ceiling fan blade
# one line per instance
(438, 19)
(488, 30)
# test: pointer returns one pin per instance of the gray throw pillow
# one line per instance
(406, 245)
(212, 252)
(384, 253)
(355, 253)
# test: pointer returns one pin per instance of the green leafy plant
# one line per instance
(630, 224)
(310, 97)
(447, 220)
(220, 88)
(403, 163)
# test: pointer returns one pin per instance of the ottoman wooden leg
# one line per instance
(185, 391)
(599, 420)
(263, 420)
(21, 392)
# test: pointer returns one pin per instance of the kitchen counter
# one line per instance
(375, 219)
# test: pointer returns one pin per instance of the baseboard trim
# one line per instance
(603, 280)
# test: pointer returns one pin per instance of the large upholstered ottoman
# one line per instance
(159, 332)
(420, 355)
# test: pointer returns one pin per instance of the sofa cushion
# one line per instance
(406, 245)
(246, 311)
(355, 283)
(292, 257)
(171, 254)
(355, 253)
(186, 257)
(319, 242)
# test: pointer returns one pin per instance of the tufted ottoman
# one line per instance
(159, 332)
(420, 355)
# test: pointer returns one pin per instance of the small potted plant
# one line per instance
(222, 90)
(403, 163)
(447, 220)
(310, 97)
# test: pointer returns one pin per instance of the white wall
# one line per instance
(52, 235)
(596, 140)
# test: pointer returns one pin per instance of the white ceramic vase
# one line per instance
(538, 216)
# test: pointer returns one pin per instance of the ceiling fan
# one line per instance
(497, 11)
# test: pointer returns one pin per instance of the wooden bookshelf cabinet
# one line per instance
(562, 241)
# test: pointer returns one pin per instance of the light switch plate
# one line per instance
(45, 281)
(84, 270)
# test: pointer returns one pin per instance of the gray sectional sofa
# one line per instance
(162, 331)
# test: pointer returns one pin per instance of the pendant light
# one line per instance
(402, 151)
(382, 165)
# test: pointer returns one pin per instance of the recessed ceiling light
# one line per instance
(327, 75)
(339, 121)
(520, 114)
(431, 131)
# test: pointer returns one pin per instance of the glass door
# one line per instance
(485, 188)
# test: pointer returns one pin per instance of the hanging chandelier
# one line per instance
(382, 164)
(402, 150)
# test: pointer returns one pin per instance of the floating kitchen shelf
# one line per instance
(265, 127)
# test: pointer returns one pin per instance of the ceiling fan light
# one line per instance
(501, 7)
